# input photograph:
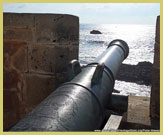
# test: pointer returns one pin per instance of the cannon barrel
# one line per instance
(79, 104)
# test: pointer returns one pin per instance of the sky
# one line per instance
(94, 13)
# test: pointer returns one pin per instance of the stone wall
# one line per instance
(36, 51)
(155, 91)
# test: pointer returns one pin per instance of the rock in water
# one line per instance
(95, 32)
(140, 73)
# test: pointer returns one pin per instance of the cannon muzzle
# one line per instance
(79, 104)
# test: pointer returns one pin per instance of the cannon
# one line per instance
(79, 105)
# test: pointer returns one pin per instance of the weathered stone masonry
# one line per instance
(155, 91)
(36, 51)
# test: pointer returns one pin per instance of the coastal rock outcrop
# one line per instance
(140, 73)
(95, 32)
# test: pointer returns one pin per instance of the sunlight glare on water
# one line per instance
(140, 39)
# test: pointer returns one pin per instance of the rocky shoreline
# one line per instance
(140, 73)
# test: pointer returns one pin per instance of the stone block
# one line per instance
(54, 28)
(41, 59)
(13, 108)
(156, 79)
(38, 87)
(12, 80)
(15, 55)
(64, 54)
(75, 43)
(10, 100)
(14, 85)
(62, 57)
(158, 29)
(157, 55)
(19, 20)
(155, 94)
(74, 53)
(9, 119)
(18, 34)
(61, 78)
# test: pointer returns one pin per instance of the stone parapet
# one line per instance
(155, 90)
(36, 51)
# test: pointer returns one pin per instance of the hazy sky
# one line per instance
(101, 13)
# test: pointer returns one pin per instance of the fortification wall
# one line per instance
(155, 91)
(37, 49)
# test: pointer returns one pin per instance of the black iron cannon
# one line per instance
(79, 104)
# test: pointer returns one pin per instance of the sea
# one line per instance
(140, 39)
